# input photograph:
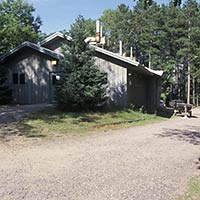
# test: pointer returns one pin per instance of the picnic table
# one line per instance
(181, 107)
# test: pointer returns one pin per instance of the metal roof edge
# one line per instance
(127, 60)
(53, 36)
(156, 72)
(117, 56)
(33, 46)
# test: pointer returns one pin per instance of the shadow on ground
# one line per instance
(53, 115)
(165, 112)
(189, 135)
(10, 130)
(15, 123)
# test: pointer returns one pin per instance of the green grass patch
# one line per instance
(51, 122)
(193, 191)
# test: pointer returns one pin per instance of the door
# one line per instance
(54, 77)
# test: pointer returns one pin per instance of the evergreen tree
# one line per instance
(82, 86)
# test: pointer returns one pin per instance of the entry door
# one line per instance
(54, 78)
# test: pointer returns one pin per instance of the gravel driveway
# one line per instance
(151, 162)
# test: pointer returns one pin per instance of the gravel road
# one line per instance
(151, 162)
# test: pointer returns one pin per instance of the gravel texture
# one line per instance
(151, 162)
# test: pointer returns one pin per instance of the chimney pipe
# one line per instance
(131, 53)
(101, 31)
(120, 48)
(98, 31)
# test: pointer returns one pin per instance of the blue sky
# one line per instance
(59, 14)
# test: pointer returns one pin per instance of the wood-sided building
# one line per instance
(33, 69)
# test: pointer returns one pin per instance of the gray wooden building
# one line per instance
(128, 81)
(33, 69)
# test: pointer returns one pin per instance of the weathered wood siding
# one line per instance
(153, 93)
(37, 68)
(137, 89)
(117, 81)
(55, 45)
(128, 84)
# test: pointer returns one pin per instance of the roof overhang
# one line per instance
(33, 46)
(54, 36)
(131, 64)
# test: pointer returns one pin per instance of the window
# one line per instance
(15, 78)
(18, 78)
(22, 78)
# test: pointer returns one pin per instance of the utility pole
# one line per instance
(188, 83)
(188, 67)
(193, 91)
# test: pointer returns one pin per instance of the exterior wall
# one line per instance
(55, 45)
(129, 85)
(37, 68)
(153, 93)
(117, 81)
(137, 89)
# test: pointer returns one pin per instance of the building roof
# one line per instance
(55, 36)
(52, 54)
(34, 47)
(133, 63)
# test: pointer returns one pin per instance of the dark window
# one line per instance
(22, 78)
(15, 78)
(54, 80)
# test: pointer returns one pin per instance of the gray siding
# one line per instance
(37, 68)
(129, 85)
(55, 45)
(153, 93)
(117, 81)
(137, 89)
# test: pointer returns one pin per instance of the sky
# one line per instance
(58, 15)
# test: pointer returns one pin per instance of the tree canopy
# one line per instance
(163, 37)
(17, 24)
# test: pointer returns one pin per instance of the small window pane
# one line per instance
(22, 78)
(15, 78)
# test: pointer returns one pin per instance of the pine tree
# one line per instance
(82, 86)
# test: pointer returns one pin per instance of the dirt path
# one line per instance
(152, 162)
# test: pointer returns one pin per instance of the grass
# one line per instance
(51, 122)
(193, 191)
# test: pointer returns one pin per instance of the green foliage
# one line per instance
(17, 24)
(116, 23)
(82, 85)
(165, 37)
(89, 29)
